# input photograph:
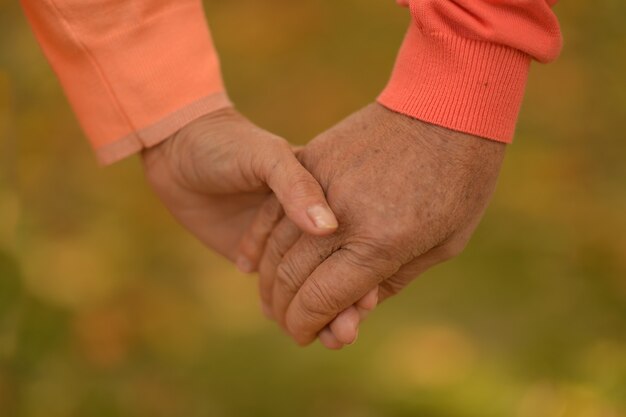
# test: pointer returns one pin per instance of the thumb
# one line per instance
(299, 193)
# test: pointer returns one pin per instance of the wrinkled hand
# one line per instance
(408, 195)
(214, 174)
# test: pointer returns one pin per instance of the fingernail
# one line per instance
(244, 265)
(322, 217)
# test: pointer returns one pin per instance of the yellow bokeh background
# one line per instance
(108, 308)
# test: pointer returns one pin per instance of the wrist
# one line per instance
(176, 155)
(450, 146)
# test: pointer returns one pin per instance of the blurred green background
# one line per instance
(108, 308)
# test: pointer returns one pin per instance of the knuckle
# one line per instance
(361, 257)
(391, 287)
(281, 145)
(375, 256)
(383, 248)
(317, 302)
(302, 187)
(285, 277)
(276, 153)
(386, 239)
(277, 146)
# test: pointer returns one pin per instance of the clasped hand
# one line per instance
(364, 209)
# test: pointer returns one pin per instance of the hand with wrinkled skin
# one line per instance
(214, 174)
(408, 195)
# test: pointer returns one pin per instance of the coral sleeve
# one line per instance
(464, 63)
(134, 71)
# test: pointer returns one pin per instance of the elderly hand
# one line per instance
(214, 174)
(408, 195)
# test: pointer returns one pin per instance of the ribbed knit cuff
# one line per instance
(462, 84)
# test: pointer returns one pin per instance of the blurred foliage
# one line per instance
(107, 308)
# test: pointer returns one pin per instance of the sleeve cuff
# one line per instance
(466, 85)
(156, 133)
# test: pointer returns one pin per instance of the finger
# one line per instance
(363, 307)
(328, 339)
(252, 244)
(340, 281)
(369, 301)
(299, 193)
(396, 283)
(293, 270)
(283, 237)
(367, 304)
(345, 327)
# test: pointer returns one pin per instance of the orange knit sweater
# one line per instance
(137, 71)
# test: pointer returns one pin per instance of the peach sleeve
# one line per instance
(464, 63)
(134, 71)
